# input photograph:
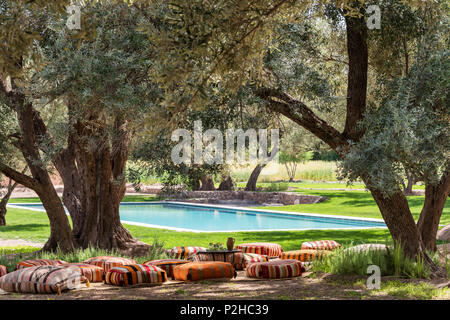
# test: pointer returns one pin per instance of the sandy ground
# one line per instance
(19, 242)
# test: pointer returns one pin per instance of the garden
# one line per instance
(276, 150)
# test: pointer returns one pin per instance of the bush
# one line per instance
(277, 187)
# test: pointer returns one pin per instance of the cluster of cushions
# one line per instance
(271, 250)
(183, 252)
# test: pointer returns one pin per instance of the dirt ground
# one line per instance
(241, 288)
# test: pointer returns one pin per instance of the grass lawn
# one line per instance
(33, 226)
(320, 185)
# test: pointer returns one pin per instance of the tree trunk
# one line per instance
(4, 201)
(428, 223)
(207, 184)
(251, 183)
(226, 184)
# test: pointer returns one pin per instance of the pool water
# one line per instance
(204, 218)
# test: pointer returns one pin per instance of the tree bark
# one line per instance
(207, 183)
(4, 201)
(226, 184)
(251, 183)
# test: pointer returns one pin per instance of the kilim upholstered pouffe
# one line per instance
(38, 262)
(183, 252)
(166, 264)
(133, 274)
(91, 272)
(203, 270)
(272, 250)
(235, 258)
(304, 255)
(107, 262)
(275, 269)
(250, 258)
(43, 279)
(321, 245)
(3, 270)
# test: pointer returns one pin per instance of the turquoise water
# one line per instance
(211, 218)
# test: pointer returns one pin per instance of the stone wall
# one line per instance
(284, 198)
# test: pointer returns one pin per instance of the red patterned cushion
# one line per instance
(183, 252)
(3, 270)
(250, 258)
(321, 245)
(303, 255)
(275, 269)
(107, 262)
(135, 274)
(271, 250)
(235, 258)
(203, 270)
(38, 262)
(166, 264)
(91, 272)
(42, 279)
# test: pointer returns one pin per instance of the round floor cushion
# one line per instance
(304, 255)
(203, 270)
(3, 270)
(166, 264)
(250, 258)
(43, 279)
(275, 269)
(91, 272)
(108, 262)
(183, 252)
(271, 250)
(133, 274)
(38, 262)
(235, 258)
(320, 245)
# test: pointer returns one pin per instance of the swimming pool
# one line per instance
(206, 218)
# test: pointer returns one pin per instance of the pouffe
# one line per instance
(304, 255)
(271, 250)
(275, 269)
(91, 272)
(133, 274)
(43, 279)
(235, 258)
(320, 245)
(3, 270)
(183, 252)
(38, 262)
(250, 258)
(203, 270)
(166, 264)
(107, 262)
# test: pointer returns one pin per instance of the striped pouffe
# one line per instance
(203, 270)
(183, 252)
(38, 262)
(275, 269)
(321, 245)
(250, 258)
(272, 250)
(3, 270)
(166, 264)
(91, 272)
(107, 262)
(303, 255)
(133, 274)
(235, 258)
(43, 279)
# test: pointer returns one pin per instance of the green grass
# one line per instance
(320, 185)
(422, 290)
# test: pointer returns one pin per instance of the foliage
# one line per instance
(277, 187)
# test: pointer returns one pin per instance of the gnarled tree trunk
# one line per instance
(4, 201)
(251, 183)
(207, 184)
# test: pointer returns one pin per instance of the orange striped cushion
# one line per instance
(42, 279)
(38, 262)
(250, 258)
(275, 269)
(183, 252)
(194, 271)
(107, 262)
(166, 264)
(3, 270)
(91, 272)
(271, 250)
(303, 255)
(135, 274)
(235, 258)
(320, 245)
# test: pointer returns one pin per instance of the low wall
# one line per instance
(285, 198)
